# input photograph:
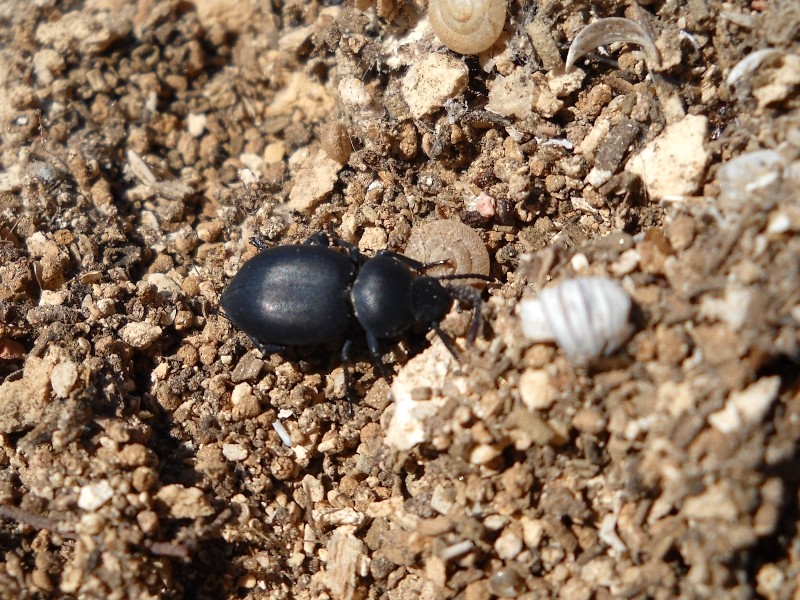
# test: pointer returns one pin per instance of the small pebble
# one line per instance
(140, 335)
(94, 495)
(234, 452)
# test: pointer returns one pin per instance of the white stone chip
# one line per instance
(429, 370)
(94, 495)
(508, 545)
(140, 335)
(673, 164)
(63, 378)
(747, 407)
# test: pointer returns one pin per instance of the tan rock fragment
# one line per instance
(784, 80)
(23, 401)
(512, 95)
(63, 377)
(430, 83)
(231, 15)
(535, 389)
(314, 179)
(183, 502)
(346, 561)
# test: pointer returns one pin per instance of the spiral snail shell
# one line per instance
(452, 240)
(467, 26)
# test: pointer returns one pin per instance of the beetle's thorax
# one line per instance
(382, 297)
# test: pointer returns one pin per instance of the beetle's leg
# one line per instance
(448, 343)
(318, 239)
(328, 238)
(375, 352)
(352, 251)
(258, 243)
(471, 297)
(266, 349)
(348, 384)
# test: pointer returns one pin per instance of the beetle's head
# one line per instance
(430, 300)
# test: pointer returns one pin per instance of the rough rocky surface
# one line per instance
(143, 143)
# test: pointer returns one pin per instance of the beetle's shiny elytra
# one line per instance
(292, 295)
(312, 293)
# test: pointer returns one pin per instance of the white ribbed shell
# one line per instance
(588, 317)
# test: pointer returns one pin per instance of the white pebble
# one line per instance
(234, 452)
(140, 335)
(535, 389)
(673, 164)
(747, 407)
(94, 495)
(508, 545)
(63, 378)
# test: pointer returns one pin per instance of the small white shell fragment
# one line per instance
(781, 82)
(282, 433)
(94, 495)
(610, 31)
(140, 169)
(588, 317)
(456, 550)
(750, 63)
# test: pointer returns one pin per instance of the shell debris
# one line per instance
(452, 240)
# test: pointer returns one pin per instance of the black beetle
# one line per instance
(312, 293)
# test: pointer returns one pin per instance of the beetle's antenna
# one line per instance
(436, 263)
(464, 276)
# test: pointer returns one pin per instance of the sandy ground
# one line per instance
(143, 143)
